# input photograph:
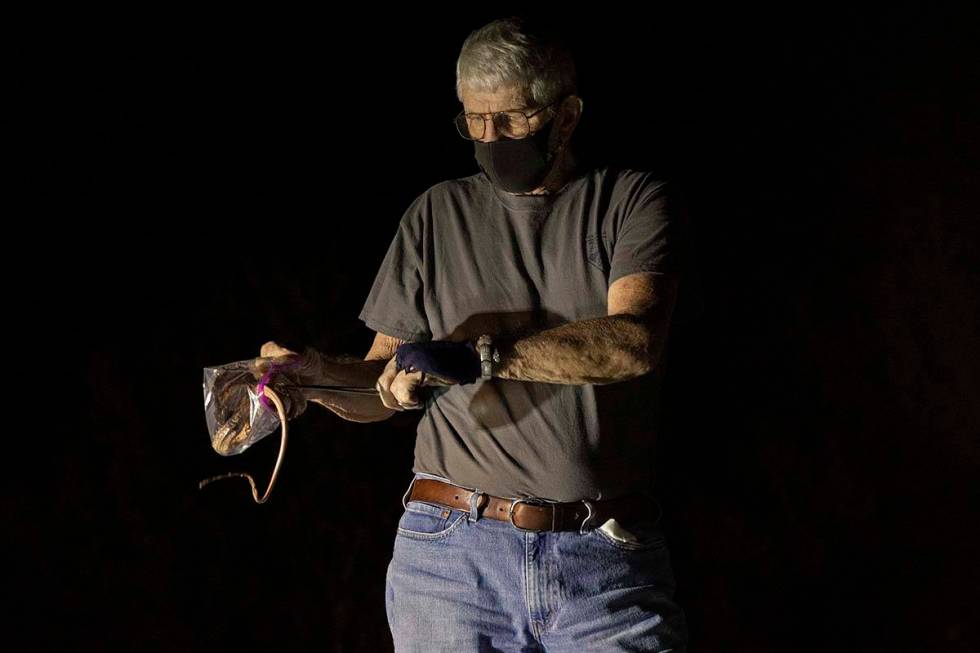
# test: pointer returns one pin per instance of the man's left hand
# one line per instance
(417, 364)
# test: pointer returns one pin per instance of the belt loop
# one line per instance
(408, 493)
(474, 504)
(588, 517)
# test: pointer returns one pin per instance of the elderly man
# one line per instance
(524, 310)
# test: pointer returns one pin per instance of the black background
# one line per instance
(238, 181)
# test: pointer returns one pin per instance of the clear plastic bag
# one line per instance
(247, 400)
(237, 411)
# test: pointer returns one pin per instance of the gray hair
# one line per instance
(514, 52)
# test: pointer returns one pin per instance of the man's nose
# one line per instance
(489, 131)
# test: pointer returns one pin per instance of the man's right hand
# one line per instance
(271, 354)
(298, 368)
(273, 349)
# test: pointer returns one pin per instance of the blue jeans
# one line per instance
(461, 584)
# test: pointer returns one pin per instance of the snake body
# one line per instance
(234, 403)
(238, 437)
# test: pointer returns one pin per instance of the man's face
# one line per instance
(504, 99)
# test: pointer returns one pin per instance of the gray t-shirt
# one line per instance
(469, 258)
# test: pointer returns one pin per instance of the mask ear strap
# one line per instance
(554, 152)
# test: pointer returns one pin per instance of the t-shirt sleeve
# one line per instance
(395, 304)
(649, 238)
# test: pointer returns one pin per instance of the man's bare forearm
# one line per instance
(599, 350)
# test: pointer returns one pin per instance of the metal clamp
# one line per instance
(588, 517)
(476, 497)
(532, 502)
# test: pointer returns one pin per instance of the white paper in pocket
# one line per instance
(614, 530)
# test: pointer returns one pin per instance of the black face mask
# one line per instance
(516, 165)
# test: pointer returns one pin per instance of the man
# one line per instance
(524, 310)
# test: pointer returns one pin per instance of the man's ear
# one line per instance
(571, 112)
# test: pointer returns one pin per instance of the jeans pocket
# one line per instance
(641, 535)
(426, 521)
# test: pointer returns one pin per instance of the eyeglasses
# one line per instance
(512, 124)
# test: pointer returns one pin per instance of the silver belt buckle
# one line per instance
(532, 502)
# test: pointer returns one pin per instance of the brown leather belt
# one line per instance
(536, 514)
